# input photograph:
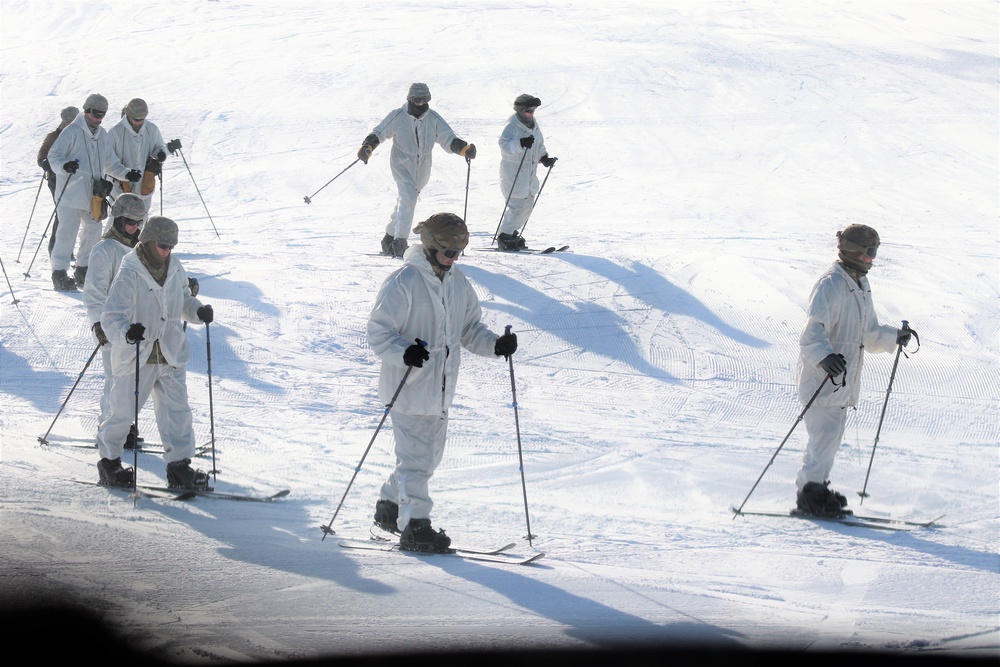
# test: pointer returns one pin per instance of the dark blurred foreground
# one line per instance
(71, 635)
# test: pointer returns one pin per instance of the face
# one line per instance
(419, 101)
(136, 124)
(95, 117)
(130, 226)
(164, 249)
(447, 257)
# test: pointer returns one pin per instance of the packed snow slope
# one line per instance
(708, 152)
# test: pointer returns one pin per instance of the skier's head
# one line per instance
(67, 115)
(524, 107)
(857, 246)
(136, 110)
(444, 237)
(128, 213)
(95, 107)
(418, 99)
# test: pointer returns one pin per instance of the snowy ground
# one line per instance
(708, 151)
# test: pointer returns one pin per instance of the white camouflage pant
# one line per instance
(168, 387)
(420, 443)
(826, 431)
(516, 215)
(74, 223)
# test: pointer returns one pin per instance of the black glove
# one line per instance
(135, 333)
(506, 345)
(173, 146)
(161, 156)
(526, 142)
(548, 161)
(205, 314)
(193, 286)
(364, 153)
(99, 332)
(416, 355)
(134, 175)
(154, 167)
(71, 166)
(834, 364)
(469, 152)
(903, 336)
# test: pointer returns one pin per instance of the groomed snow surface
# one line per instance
(708, 152)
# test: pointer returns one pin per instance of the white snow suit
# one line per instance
(518, 180)
(105, 259)
(133, 150)
(414, 303)
(135, 297)
(93, 150)
(840, 320)
(410, 159)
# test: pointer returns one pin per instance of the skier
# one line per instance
(66, 116)
(522, 147)
(81, 156)
(138, 144)
(148, 299)
(414, 128)
(428, 300)
(127, 214)
(840, 328)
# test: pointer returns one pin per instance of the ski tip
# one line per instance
(280, 494)
(534, 559)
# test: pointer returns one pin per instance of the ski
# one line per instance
(395, 533)
(163, 494)
(491, 556)
(220, 495)
(527, 251)
(878, 523)
(201, 451)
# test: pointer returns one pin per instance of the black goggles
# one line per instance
(451, 253)
(95, 113)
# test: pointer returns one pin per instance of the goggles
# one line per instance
(95, 113)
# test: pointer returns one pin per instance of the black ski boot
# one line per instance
(132, 440)
(386, 516)
(111, 473)
(387, 244)
(62, 282)
(180, 475)
(419, 536)
(511, 242)
(817, 499)
(80, 275)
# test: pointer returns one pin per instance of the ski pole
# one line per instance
(510, 194)
(43, 439)
(11, 287)
(135, 450)
(520, 456)
(18, 260)
(328, 528)
(539, 194)
(802, 414)
(468, 175)
(27, 273)
(211, 409)
(181, 153)
(885, 403)
(308, 199)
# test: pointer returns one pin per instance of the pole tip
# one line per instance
(307, 200)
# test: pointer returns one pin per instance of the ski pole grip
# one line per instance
(906, 324)
(507, 329)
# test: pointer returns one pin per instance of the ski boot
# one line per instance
(386, 515)
(387, 244)
(80, 275)
(818, 500)
(180, 475)
(511, 242)
(111, 473)
(62, 282)
(419, 536)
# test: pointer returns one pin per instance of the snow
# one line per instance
(708, 152)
